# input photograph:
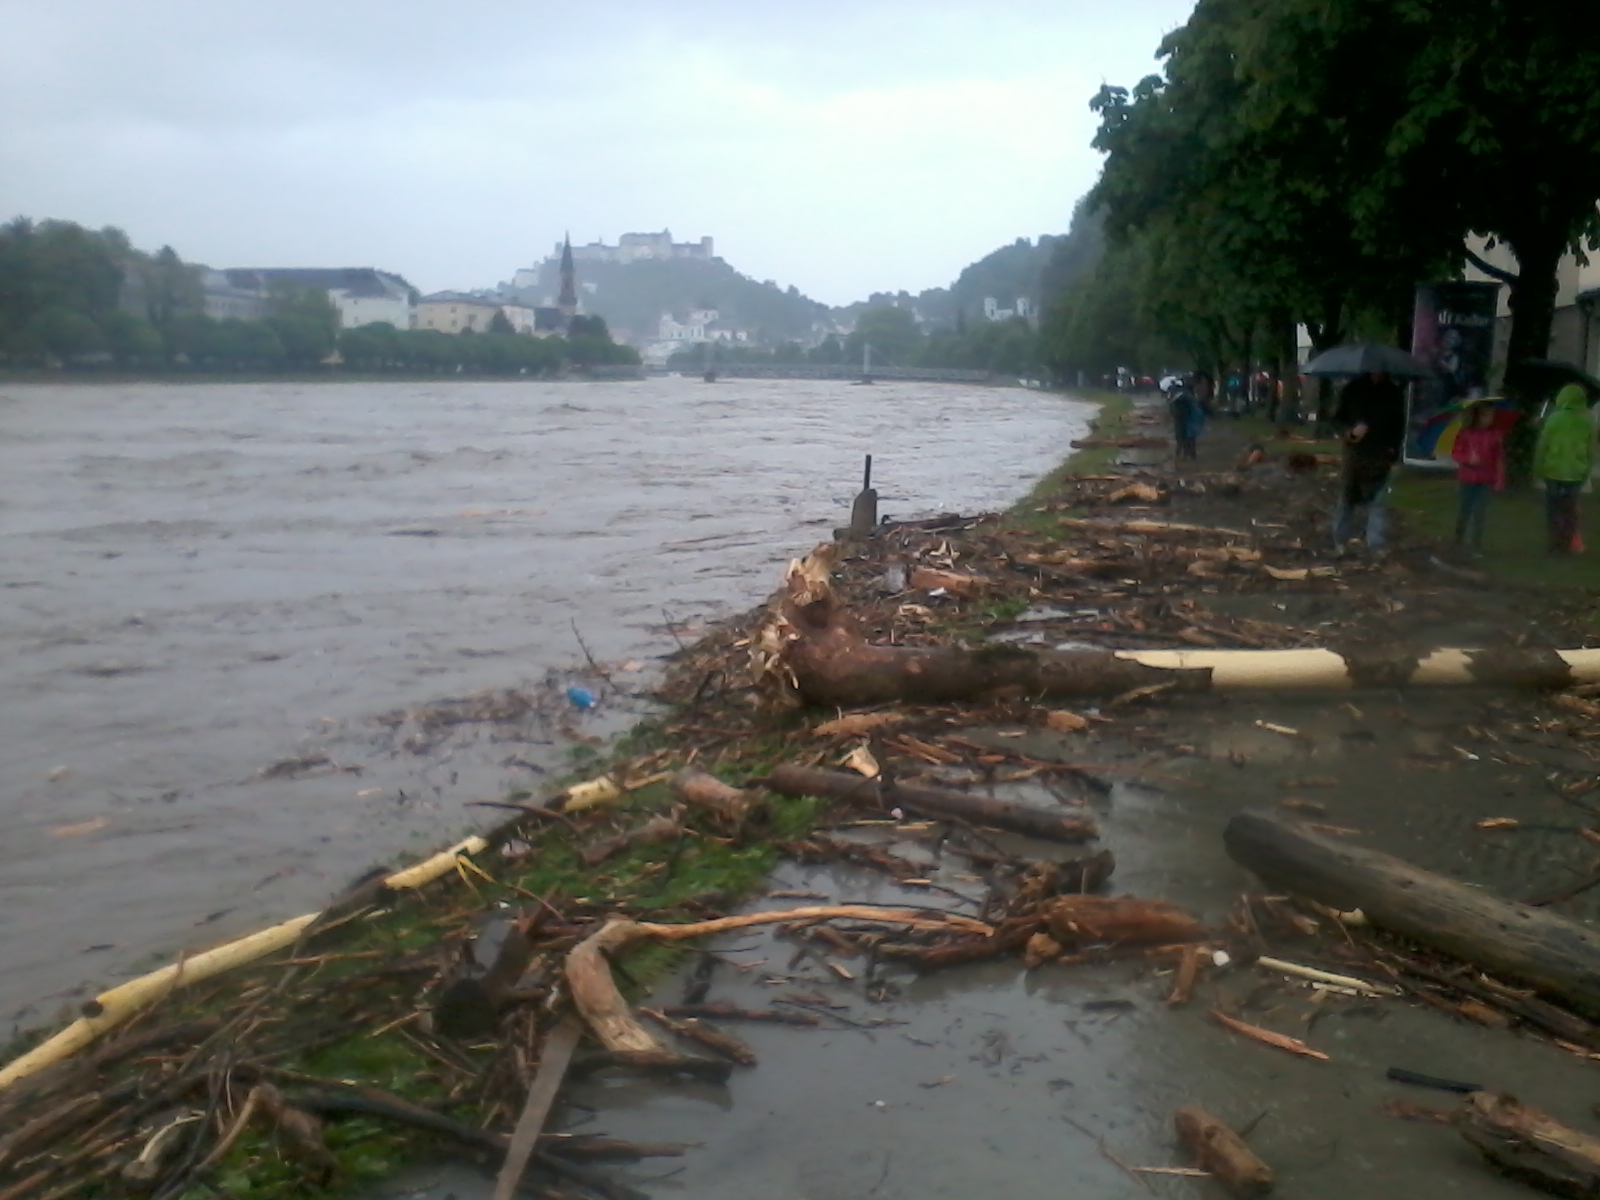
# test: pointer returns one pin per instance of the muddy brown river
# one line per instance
(248, 630)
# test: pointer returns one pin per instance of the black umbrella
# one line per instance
(1367, 358)
(1543, 376)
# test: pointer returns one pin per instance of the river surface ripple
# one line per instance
(211, 595)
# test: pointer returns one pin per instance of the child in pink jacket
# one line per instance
(1480, 454)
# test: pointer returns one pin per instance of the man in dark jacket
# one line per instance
(1372, 411)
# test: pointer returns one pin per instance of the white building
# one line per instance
(523, 320)
(362, 295)
(638, 247)
(1020, 307)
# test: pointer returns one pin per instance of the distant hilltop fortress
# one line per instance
(636, 247)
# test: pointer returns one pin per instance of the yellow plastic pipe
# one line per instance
(125, 1001)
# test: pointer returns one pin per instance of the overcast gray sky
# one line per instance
(843, 146)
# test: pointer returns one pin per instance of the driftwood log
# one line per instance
(930, 802)
(702, 790)
(1559, 957)
(1218, 1149)
(830, 662)
(1531, 1146)
(810, 647)
(1119, 921)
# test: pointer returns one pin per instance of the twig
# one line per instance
(554, 1060)
(1131, 1172)
(673, 630)
(584, 646)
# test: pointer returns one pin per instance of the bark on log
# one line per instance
(1119, 921)
(810, 646)
(832, 664)
(1220, 1150)
(702, 790)
(1558, 957)
(930, 802)
(1531, 1146)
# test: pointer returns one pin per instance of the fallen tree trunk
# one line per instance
(810, 648)
(930, 802)
(1531, 1146)
(1559, 957)
(830, 663)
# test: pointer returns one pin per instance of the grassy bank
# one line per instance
(1514, 537)
(1112, 421)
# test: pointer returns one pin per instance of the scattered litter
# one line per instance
(1285, 730)
(1497, 824)
(581, 697)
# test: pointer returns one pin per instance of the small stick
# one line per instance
(553, 1063)
(1188, 971)
(1131, 1172)
(584, 646)
(247, 1110)
(1267, 1036)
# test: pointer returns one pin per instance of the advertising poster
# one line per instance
(1452, 331)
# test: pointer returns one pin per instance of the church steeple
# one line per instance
(567, 301)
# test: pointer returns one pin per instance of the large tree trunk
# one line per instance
(811, 647)
(1533, 302)
(1559, 957)
(811, 643)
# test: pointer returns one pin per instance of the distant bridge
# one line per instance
(851, 371)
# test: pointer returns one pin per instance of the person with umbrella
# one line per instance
(1372, 412)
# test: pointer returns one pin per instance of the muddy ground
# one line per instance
(992, 1079)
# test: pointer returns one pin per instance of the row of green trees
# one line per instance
(1309, 161)
(81, 298)
(382, 347)
(1010, 347)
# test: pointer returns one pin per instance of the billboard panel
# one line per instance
(1452, 331)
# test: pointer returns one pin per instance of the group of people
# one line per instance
(1372, 412)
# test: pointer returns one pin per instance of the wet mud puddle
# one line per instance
(258, 638)
(990, 1080)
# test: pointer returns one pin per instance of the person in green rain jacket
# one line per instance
(1563, 459)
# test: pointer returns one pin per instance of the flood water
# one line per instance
(222, 608)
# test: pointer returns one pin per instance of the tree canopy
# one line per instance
(1309, 161)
